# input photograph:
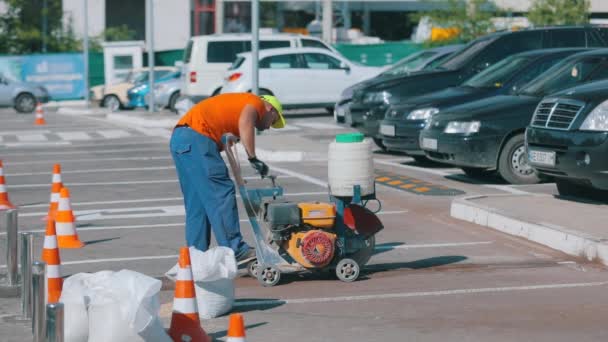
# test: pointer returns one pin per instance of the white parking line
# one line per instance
(28, 186)
(53, 161)
(31, 137)
(113, 133)
(414, 168)
(67, 172)
(507, 188)
(300, 176)
(38, 144)
(155, 149)
(24, 132)
(249, 303)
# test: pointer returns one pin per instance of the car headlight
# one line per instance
(136, 90)
(597, 120)
(462, 127)
(377, 97)
(422, 113)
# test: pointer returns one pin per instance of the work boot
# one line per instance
(246, 256)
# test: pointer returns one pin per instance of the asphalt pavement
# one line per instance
(433, 277)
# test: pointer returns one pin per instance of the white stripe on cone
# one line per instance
(185, 305)
(56, 178)
(184, 273)
(53, 271)
(65, 228)
(2, 188)
(64, 204)
(55, 197)
(50, 242)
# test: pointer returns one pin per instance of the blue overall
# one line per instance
(209, 195)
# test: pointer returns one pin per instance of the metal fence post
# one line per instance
(10, 222)
(38, 300)
(54, 322)
(27, 240)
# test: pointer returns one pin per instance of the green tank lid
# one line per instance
(349, 138)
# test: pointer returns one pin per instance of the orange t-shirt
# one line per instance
(220, 114)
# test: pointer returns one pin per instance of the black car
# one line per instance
(404, 121)
(489, 133)
(370, 103)
(568, 138)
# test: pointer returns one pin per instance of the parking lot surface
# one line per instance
(433, 277)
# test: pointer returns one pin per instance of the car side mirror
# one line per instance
(344, 67)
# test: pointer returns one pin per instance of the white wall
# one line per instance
(96, 11)
(171, 24)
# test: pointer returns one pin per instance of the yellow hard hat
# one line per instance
(274, 102)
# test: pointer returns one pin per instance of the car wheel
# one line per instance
(379, 143)
(513, 164)
(111, 102)
(25, 103)
(172, 101)
(474, 171)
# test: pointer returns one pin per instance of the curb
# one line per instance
(137, 121)
(563, 239)
(80, 111)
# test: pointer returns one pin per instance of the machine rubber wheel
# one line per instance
(347, 270)
(513, 163)
(474, 171)
(252, 268)
(379, 143)
(268, 276)
(111, 102)
(25, 103)
(173, 101)
(363, 255)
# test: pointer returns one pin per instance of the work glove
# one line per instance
(259, 166)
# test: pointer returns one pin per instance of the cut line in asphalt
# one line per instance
(156, 257)
(250, 303)
(162, 199)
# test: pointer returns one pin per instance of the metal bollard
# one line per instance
(38, 300)
(26, 252)
(54, 322)
(10, 222)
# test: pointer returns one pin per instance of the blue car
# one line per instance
(137, 94)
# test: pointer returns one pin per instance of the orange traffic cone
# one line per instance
(64, 222)
(39, 115)
(50, 255)
(4, 201)
(236, 328)
(55, 189)
(185, 321)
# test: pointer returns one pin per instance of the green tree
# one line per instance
(559, 12)
(21, 28)
(471, 17)
(112, 34)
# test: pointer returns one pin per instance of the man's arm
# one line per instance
(247, 123)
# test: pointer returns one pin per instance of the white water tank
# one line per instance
(350, 164)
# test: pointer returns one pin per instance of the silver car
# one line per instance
(166, 93)
(22, 96)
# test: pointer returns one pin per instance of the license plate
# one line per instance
(541, 157)
(387, 130)
(430, 144)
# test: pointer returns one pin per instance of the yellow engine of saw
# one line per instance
(311, 241)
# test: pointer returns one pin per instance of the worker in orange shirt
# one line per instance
(209, 193)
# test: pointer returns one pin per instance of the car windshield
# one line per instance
(563, 75)
(498, 74)
(137, 77)
(460, 58)
(409, 63)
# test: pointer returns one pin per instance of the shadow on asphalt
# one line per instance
(414, 265)
(594, 198)
(489, 178)
(219, 334)
(251, 304)
(92, 242)
(386, 247)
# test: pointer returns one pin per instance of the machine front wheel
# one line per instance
(252, 268)
(268, 275)
(347, 270)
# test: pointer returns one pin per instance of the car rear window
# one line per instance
(237, 63)
(188, 52)
(462, 57)
(226, 51)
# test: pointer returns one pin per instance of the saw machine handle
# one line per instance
(230, 141)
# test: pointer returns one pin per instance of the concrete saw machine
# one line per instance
(312, 237)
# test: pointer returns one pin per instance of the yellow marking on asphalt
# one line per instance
(395, 182)
(416, 181)
(422, 189)
(408, 186)
(382, 179)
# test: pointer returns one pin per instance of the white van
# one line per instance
(206, 58)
